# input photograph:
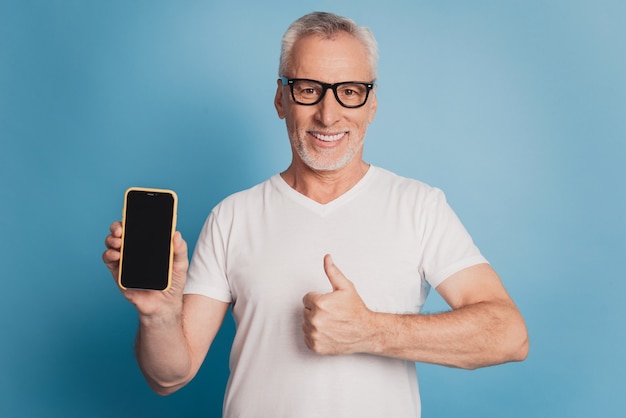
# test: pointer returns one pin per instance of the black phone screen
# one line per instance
(148, 227)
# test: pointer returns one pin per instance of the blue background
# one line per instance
(516, 109)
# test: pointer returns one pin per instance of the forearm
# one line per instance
(473, 336)
(162, 353)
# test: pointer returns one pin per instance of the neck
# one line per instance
(324, 186)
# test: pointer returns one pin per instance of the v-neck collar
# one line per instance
(322, 208)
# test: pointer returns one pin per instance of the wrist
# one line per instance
(375, 337)
(162, 318)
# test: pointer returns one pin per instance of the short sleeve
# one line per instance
(447, 246)
(207, 270)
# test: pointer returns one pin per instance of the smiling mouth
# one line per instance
(328, 138)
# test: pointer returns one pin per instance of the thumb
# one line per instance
(337, 280)
(181, 258)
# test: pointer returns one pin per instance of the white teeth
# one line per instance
(329, 138)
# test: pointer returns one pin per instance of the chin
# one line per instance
(325, 164)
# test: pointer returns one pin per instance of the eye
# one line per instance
(351, 90)
(307, 89)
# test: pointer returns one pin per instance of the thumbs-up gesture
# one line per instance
(337, 322)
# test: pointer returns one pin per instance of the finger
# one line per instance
(112, 242)
(180, 263)
(111, 256)
(309, 300)
(111, 260)
(306, 316)
(308, 332)
(116, 229)
(114, 239)
(337, 280)
(308, 341)
(180, 248)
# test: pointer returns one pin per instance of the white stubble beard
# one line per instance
(319, 163)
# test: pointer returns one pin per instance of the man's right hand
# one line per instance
(150, 303)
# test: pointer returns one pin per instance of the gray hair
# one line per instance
(326, 25)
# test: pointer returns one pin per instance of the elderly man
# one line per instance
(327, 264)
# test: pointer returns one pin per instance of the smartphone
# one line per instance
(148, 226)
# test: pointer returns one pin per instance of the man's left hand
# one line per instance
(337, 322)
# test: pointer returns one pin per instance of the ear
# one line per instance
(278, 100)
(373, 105)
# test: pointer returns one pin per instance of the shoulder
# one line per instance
(404, 189)
(243, 206)
(245, 198)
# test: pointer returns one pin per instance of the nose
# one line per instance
(328, 109)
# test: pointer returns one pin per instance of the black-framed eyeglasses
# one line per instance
(350, 94)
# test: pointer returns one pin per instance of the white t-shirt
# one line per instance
(262, 250)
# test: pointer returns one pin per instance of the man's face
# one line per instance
(327, 136)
